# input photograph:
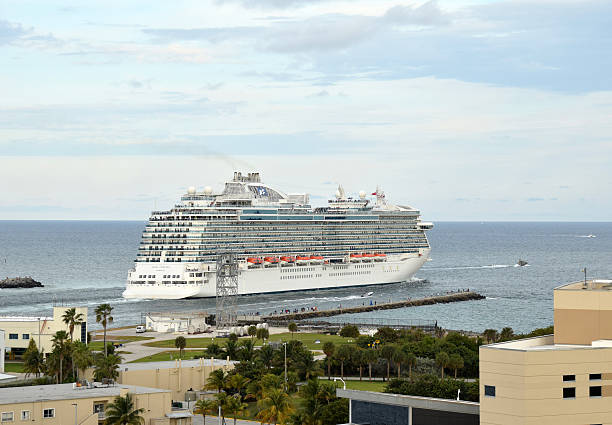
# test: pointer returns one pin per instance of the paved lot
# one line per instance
(212, 420)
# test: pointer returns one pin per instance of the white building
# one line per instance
(184, 322)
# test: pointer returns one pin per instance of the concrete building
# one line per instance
(2, 350)
(64, 405)
(374, 408)
(19, 330)
(565, 378)
(177, 376)
(184, 322)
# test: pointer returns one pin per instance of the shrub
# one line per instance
(349, 331)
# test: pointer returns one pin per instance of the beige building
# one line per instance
(19, 330)
(565, 378)
(177, 376)
(64, 404)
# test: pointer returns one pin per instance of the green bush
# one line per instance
(432, 386)
(349, 331)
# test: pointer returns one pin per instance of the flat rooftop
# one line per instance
(545, 343)
(24, 319)
(171, 364)
(38, 393)
(591, 285)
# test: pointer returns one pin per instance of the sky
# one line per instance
(467, 110)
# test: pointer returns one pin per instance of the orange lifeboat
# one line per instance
(356, 258)
(270, 261)
(368, 257)
(316, 259)
(286, 260)
(380, 257)
(302, 260)
(254, 261)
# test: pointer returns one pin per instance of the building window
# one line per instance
(7, 417)
(49, 413)
(13, 336)
(489, 390)
(25, 336)
(98, 408)
(595, 391)
(595, 376)
(25, 415)
(569, 392)
(567, 378)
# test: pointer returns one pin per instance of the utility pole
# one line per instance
(585, 278)
(285, 345)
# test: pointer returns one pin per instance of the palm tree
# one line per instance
(72, 318)
(344, 354)
(490, 335)
(455, 362)
(399, 358)
(246, 350)
(239, 383)
(266, 356)
(370, 356)
(411, 360)
(180, 342)
(33, 360)
(204, 407)
(60, 348)
(81, 356)
(328, 349)
(217, 380)
(107, 367)
(262, 334)
(103, 316)
(442, 360)
(308, 365)
(233, 406)
(506, 334)
(122, 411)
(359, 359)
(388, 352)
(231, 349)
(275, 407)
(292, 328)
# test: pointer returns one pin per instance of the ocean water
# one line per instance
(86, 263)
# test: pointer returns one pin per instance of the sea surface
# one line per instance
(86, 263)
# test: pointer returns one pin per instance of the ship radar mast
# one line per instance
(380, 196)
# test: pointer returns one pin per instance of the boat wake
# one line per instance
(491, 266)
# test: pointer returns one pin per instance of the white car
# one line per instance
(140, 329)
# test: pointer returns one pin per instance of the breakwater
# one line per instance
(437, 299)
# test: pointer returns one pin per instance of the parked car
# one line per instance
(140, 329)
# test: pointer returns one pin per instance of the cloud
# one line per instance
(271, 4)
(10, 32)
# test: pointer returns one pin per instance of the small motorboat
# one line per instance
(367, 294)
(521, 263)
(590, 236)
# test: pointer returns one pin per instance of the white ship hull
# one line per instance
(263, 280)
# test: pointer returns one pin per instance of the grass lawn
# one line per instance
(307, 338)
(170, 355)
(13, 367)
(376, 386)
(98, 345)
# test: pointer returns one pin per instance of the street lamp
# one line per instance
(350, 401)
(76, 408)
(585, 280)
(285, 345)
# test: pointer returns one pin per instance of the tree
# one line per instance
(246, 350)
(308, 365)
(107, 367)
(103, 316)
(506, 334)
(233, 406)
(370, 356)
(399, 358)
(349, 331)
(217, 380)
(231, 349)
(344, 354)
(275, 407)
(252, 331)
(292, 328)
(180, 342)
(238, 383)
(455, 361)
(328, 349)
(262, 334)
(442, 360)
(33, 360)
(387, 352)
(81, 356)
(72, 318)
(411, 360)
(490, 335)
(60, 348)
(204, 407)
(122, 411)
(359, 358)
(266, 356)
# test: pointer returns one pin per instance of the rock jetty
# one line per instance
(19, 282)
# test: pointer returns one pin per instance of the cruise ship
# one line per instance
(280, 241)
